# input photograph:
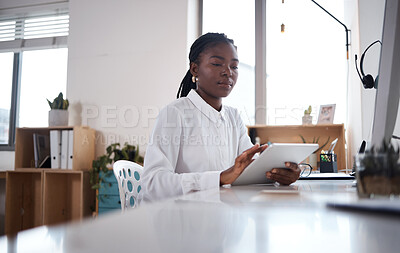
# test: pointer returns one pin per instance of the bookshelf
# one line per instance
(46, 196)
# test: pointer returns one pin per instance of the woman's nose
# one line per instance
(227, 71)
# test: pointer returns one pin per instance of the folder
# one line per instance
(70, 149)
(64, 149)
(41, 148)
(55, 148)
(35, 150)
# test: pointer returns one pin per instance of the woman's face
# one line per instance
(217, 71)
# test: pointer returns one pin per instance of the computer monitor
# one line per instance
(388, 89)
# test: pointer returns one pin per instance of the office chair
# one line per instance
(128, 176)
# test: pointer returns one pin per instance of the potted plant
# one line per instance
(307, 118)
(378, 172)
(113, 154)
(313, 157)
(58, 114)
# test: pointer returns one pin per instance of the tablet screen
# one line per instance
(274, 156)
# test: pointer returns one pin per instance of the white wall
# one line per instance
(371, 23)
(126, 61)
(366, 28)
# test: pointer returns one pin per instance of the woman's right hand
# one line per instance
(241, 162)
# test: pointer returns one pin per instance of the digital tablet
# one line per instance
(274, 156)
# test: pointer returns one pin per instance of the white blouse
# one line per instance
(191, 144)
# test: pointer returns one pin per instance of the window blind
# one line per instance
(34, 32)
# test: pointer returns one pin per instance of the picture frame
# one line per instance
(326, 114)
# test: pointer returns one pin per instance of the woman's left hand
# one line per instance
(285, 176)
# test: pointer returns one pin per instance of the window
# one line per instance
(306, 64)
(6, 65)
(238, 24)
(33, 60)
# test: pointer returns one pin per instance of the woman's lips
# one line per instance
(225, 84)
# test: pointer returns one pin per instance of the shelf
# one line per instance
(83, 151)
(45, 196)
(291, 134)
(24, 199)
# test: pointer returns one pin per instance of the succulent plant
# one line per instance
(308, 111)
(59, 103)
(315, 140)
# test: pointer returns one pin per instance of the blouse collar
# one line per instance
(205, 108)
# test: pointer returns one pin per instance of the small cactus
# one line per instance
(308, 111)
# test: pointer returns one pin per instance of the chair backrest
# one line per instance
(128, 176)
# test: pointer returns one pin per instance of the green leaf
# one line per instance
(304, 140)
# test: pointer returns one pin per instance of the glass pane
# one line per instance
(306, 64)
(44, 76)
(6, 66)
(235, 18)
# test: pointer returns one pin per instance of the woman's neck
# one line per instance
(214, 102)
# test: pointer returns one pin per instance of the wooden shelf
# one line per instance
(84, 147)
(291, 134)
(45, 196)
(24, 199)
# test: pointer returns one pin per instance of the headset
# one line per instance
(367, 80)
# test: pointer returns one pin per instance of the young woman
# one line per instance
(198, 143)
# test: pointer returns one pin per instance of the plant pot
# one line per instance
(312, 160)
(58, 117)
(378, 175)
(307, 119)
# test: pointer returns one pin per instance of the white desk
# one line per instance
(237, 219)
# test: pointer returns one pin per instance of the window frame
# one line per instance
(18, 46)
(261, 55)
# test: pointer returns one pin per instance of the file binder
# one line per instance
(70, 149)
(64, 149)
(55, 148)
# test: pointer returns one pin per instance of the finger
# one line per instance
(282, 172)
(264, 147)
(282, 178)
(249, 153)
(292, 166)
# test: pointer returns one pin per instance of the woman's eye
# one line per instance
(235, 67)
(216, 64)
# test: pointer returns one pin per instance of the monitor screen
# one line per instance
(388, 89)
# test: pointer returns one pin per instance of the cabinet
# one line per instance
(291, 134)
(45, 196)
(108, 193)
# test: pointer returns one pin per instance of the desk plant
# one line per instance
(378, 172)
(113, 154)
(58, 114)
(313, 157)
(307, 118)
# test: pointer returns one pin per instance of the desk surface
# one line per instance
(238, 219)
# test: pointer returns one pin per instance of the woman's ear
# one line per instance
(194, 69)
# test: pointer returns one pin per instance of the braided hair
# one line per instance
(204, 42)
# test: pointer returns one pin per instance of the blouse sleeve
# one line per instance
(159, 178)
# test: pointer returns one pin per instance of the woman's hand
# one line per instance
(241, 162)
(285, 176)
